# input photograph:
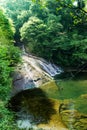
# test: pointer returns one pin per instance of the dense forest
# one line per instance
(52, 29)
(60, 30)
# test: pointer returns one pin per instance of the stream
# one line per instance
(55, 104)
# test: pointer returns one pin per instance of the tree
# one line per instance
(9, 55)
(54, 26)
(18, 11)
(6, 29)
(40, 37)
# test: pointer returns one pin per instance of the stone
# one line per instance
(73, 119)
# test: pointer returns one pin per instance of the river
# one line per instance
(59, 104)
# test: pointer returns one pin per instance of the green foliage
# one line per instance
(6, 29)
(39, 36)
(54, 26)
(6, 118)
(53, 29)
(32, 29)
(58, 33)
(18, 11)
(9, 57)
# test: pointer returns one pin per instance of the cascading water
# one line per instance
(50, 68)
(41, 64)
(35, 94)
(31, 74)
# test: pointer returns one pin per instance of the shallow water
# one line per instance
(43, 104)
(69, 89)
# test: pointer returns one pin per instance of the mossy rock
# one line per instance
(73, 119)
(84, 96)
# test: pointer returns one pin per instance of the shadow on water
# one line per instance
(35, 102)
(72, 76)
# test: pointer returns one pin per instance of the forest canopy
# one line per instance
(54, 26)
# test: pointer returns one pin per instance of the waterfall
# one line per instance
(33, 72)
(50, 68)
(42, 66)
(40, 63)
(29, 78)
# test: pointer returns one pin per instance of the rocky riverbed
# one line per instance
(40, 102)
(32, 73)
